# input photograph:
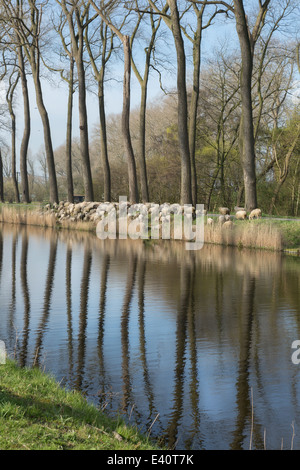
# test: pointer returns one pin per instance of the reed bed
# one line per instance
(84, 226)
(245, 235)
(40, 218)
(23, 216)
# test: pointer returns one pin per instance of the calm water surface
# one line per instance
(160, 333)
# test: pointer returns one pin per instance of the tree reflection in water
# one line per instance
(47, 299)
(158, 333)
(25, 290)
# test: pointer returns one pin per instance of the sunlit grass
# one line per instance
(36, 413)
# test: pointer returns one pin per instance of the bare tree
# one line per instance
(76, 15)
(70, 81)
(219, 118)
(104, 13)
(69, 78)
(12, 40)
(247, 40)
(172, 20)
(12, 84)
(26, 131)
(196, 39)
(104, 53)
(143, 81)
(27, 26)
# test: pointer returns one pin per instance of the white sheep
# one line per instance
(255, 214)
(224, 210)
(241, 215)
(221, 219)
(210, 221)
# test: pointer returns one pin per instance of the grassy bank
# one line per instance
(36, 413)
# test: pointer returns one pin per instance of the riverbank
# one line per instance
(264, 233)
(36, 413)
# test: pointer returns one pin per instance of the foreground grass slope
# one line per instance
(37, 414)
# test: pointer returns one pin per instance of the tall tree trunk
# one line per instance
(143, 81)
(26, 131)
(194, 105)
(186, 191)
(132, 176)
(142, 144)
(13, 157)
(99, 73)
(9, 99)
(77, 41)
(103, 137)
(69, 135)
(47, 137)
(247, 147)
(83, 126)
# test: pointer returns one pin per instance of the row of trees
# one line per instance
(236, 129)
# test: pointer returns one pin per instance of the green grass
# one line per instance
(31, 207)
(291, 233)
(36, 413)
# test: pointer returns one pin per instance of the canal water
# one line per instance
(194, 347)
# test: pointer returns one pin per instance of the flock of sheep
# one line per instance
(240, 214)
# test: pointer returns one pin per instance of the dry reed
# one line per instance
(22, 216)
(246, 235)
(85, 226)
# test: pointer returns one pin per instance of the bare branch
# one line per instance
(220, 2)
